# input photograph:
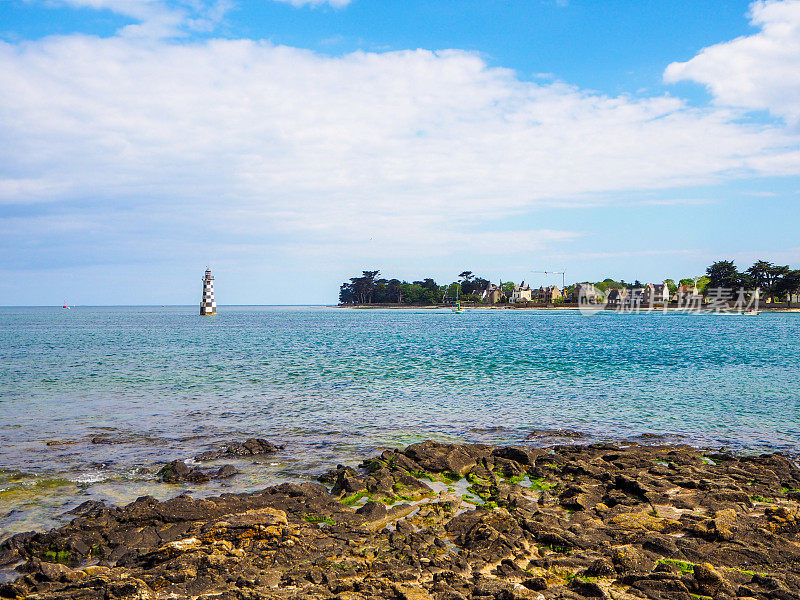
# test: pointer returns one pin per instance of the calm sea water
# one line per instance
(116, 391)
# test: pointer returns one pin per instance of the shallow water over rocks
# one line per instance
(94, 401)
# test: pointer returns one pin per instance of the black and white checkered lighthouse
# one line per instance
(208, 306)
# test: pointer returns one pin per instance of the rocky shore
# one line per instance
(446, 522)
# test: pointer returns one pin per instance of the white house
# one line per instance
(522, 293)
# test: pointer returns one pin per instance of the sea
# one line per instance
(94, 400)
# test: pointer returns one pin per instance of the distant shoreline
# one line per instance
(567, 307)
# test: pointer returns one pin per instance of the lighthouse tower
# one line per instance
(208, 306)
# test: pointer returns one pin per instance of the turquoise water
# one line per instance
(154, 384)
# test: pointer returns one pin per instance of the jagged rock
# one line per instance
(599, 568)
(658, 588)
(588, 589)
(177, 472)
(709, 581)
(666, 533)
(628, 558)
(251, 447)
(90, 508)
(440, 458)
(373, 510)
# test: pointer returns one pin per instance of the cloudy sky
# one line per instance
(290, 144)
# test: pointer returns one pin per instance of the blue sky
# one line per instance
(290, 144)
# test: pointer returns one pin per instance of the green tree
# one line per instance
(788, 284)
(765, 275)
(671, 285)
(476, 286)
(360, 290)
(724, 274)
(395, 291)
(609, 284)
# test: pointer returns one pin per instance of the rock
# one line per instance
(348, 484)
(373, 510)
(411, 593)
(662, 589)
(709, 581)
(90, 508)
(251, 447)
(177, 472)
(13, 590)
(523, 456)
(660, 544)
(64, 574)
(225, 472)
(300, 541)
(536, 584)
(588, 589)
(643, 520)
(96, 570)
(599, 568)
(555, 434)
(628, 558)
(252, 518)
(130, 589)
(439, 458)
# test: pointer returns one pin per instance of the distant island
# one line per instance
(775, 285)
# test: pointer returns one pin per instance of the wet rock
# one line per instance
(439, 458)
(251, 447)
(555, 434)
(523, 456)
(348, 484)
(178, 472)
(226, 472)
(669, 526)
(90, 508)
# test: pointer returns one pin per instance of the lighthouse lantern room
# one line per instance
(208, 306)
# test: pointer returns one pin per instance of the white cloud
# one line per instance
(160, 18)
(677, 201)
(279, 151)
(756, 72)
(299, 3)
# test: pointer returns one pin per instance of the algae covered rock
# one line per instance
(402, 525)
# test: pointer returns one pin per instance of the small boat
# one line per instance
(457, 304)
(751, 313)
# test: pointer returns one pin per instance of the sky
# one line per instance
(291, 144)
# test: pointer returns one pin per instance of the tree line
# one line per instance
(774, 281)
(370, 288)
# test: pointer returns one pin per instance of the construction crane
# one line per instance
(562, 273)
